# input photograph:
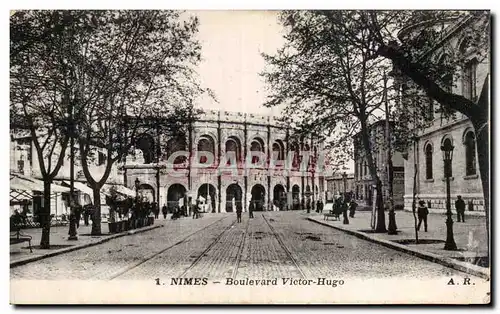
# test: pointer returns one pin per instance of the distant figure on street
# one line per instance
(422, 212)
(78, 215)
(238, 212)
(196, 212)
(251, 209)
(352, 208)
(156, 210)
(320, 206)
(460, 207)
(164, 211)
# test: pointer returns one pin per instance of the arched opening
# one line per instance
(428, 161)
(294, 150)
(296, 197)
(259, 197)
(470, 153)
(233, 145)
(206, 197)
(175, 193)
(234, 197)
(206, 144)
(146, 144)
(279, 197)
(278, 150)
(174, 145)
(257, 145)
(146, 193)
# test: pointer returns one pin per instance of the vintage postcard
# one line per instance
(249, 157)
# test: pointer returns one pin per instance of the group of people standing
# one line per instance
(423, 212)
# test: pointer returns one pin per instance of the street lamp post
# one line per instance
(447, 149)
(345, 205)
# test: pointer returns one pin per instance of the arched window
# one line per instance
(470, 153)
(176, 144)
(294, 150)
(279, 150)
(206, 144)
(469, 80)
(428, 161)
(257, 145)
(233, 145)
(430, 110)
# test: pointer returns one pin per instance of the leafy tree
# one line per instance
(135, 76)
(326, 82)
(40, 93)
(413, 40)
(103, 79)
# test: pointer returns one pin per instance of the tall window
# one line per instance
(430, 110)
(470, 154)
(206, 144)
(257, 145)
(469, 80)
(428, 161)
(233, 145)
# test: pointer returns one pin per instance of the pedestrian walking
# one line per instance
(251, 209)
(352, 208)
(460, 207)
(164, 211)
(422, 213)
(238, 212)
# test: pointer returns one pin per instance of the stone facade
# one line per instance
(227, 185)
(219, 132)
(426, 153)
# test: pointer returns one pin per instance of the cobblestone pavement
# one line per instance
(272, 245)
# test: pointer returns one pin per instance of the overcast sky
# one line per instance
(232, 42)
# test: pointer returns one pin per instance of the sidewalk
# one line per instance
(59, 243)
(470, 237)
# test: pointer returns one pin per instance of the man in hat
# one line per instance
(422, 212)
(460, 207)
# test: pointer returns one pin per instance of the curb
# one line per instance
(475, 213)
(445, 261)
(81, 246)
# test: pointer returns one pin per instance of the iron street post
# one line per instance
(447, 149)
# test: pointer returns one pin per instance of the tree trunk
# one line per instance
(483, 153)
(44, 216)
(380, 227)
(414, 200)
(96, 215)
(380, 224)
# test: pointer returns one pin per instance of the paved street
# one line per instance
(272, 245)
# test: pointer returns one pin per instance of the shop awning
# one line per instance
(80, 187)
(125, 191)
(25, 183)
